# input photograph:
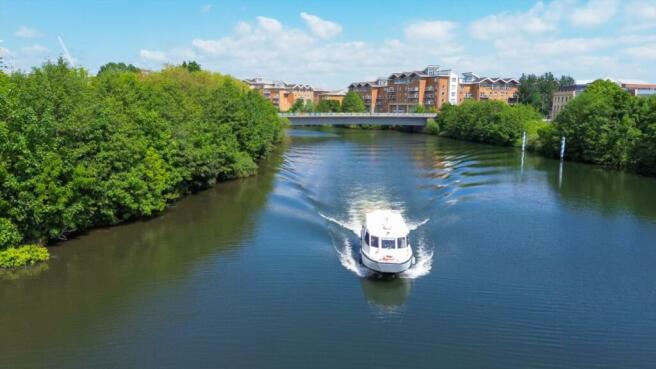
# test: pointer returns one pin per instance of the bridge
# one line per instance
(381, 119)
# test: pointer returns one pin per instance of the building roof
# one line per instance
(261, 82)
(472, 78)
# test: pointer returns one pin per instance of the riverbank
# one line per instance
(80, 151)
(604, 126)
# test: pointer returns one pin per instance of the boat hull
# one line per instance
(388, 268)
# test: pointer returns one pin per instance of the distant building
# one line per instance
(405, 91)
(640, 89)
(280, 93)
(479, 88)
(335, 95)
(566, 94)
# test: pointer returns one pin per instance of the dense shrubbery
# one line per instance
(605, 125)
(493, 122)
(432, 128)
(78, 151)
(22, 256)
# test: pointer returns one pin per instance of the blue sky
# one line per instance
(331, 43)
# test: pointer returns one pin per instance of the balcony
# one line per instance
(413, 89)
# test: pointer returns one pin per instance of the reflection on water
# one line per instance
(522, 263)
(387, 294)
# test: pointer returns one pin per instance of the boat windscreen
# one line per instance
(388, 244)
(374, 241)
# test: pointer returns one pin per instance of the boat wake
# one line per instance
(349, 256)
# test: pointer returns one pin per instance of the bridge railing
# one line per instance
(372, 115)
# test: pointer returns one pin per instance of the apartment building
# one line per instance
(335, 95)
(405, 91)
(479, 88)
(561, 98)
(373, 94)
(280, 93)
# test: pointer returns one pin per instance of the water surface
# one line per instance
(522, 263)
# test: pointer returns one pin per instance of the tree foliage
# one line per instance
(328, 106)
(605, 125)
(297, 106)
(78, 151)
(191, 66)
(644, 152)
(118, 67)
(353, 103)
(537, 91)
(493, 122)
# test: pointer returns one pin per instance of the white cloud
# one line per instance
(183, 54)
(269, 24)
(265, 47)
(27, 32)
(539, 19)
(153, 56)
(429, 30)
(321, 27)
(640, 15)
(645, 10)
(243, 27)
(4, 52)
(642, 52)
(594, 13)
(34, 50)
(206, 8)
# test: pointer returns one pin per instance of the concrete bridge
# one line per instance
(381, 119)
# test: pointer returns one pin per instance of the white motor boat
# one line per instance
(385, 246)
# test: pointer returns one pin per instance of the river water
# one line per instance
(522, 263)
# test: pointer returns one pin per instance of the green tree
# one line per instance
(191, 66)
(118, 67)
(308, 107)
(644, 154)
(419, 109)
(493, 122)
(297, 106)
(598, 125)
(328, 106)
(537, 91)
(353, 103)
(78, 151)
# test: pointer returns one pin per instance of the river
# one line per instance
(522, 263)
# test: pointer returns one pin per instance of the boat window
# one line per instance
(388, 244)
(400, 242)
(366, 238)
(374, 241)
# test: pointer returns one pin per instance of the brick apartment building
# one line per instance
(431, 87)
(335, 95)
(280, 93)
(403, 92)
(479, 88)
(283, 94)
